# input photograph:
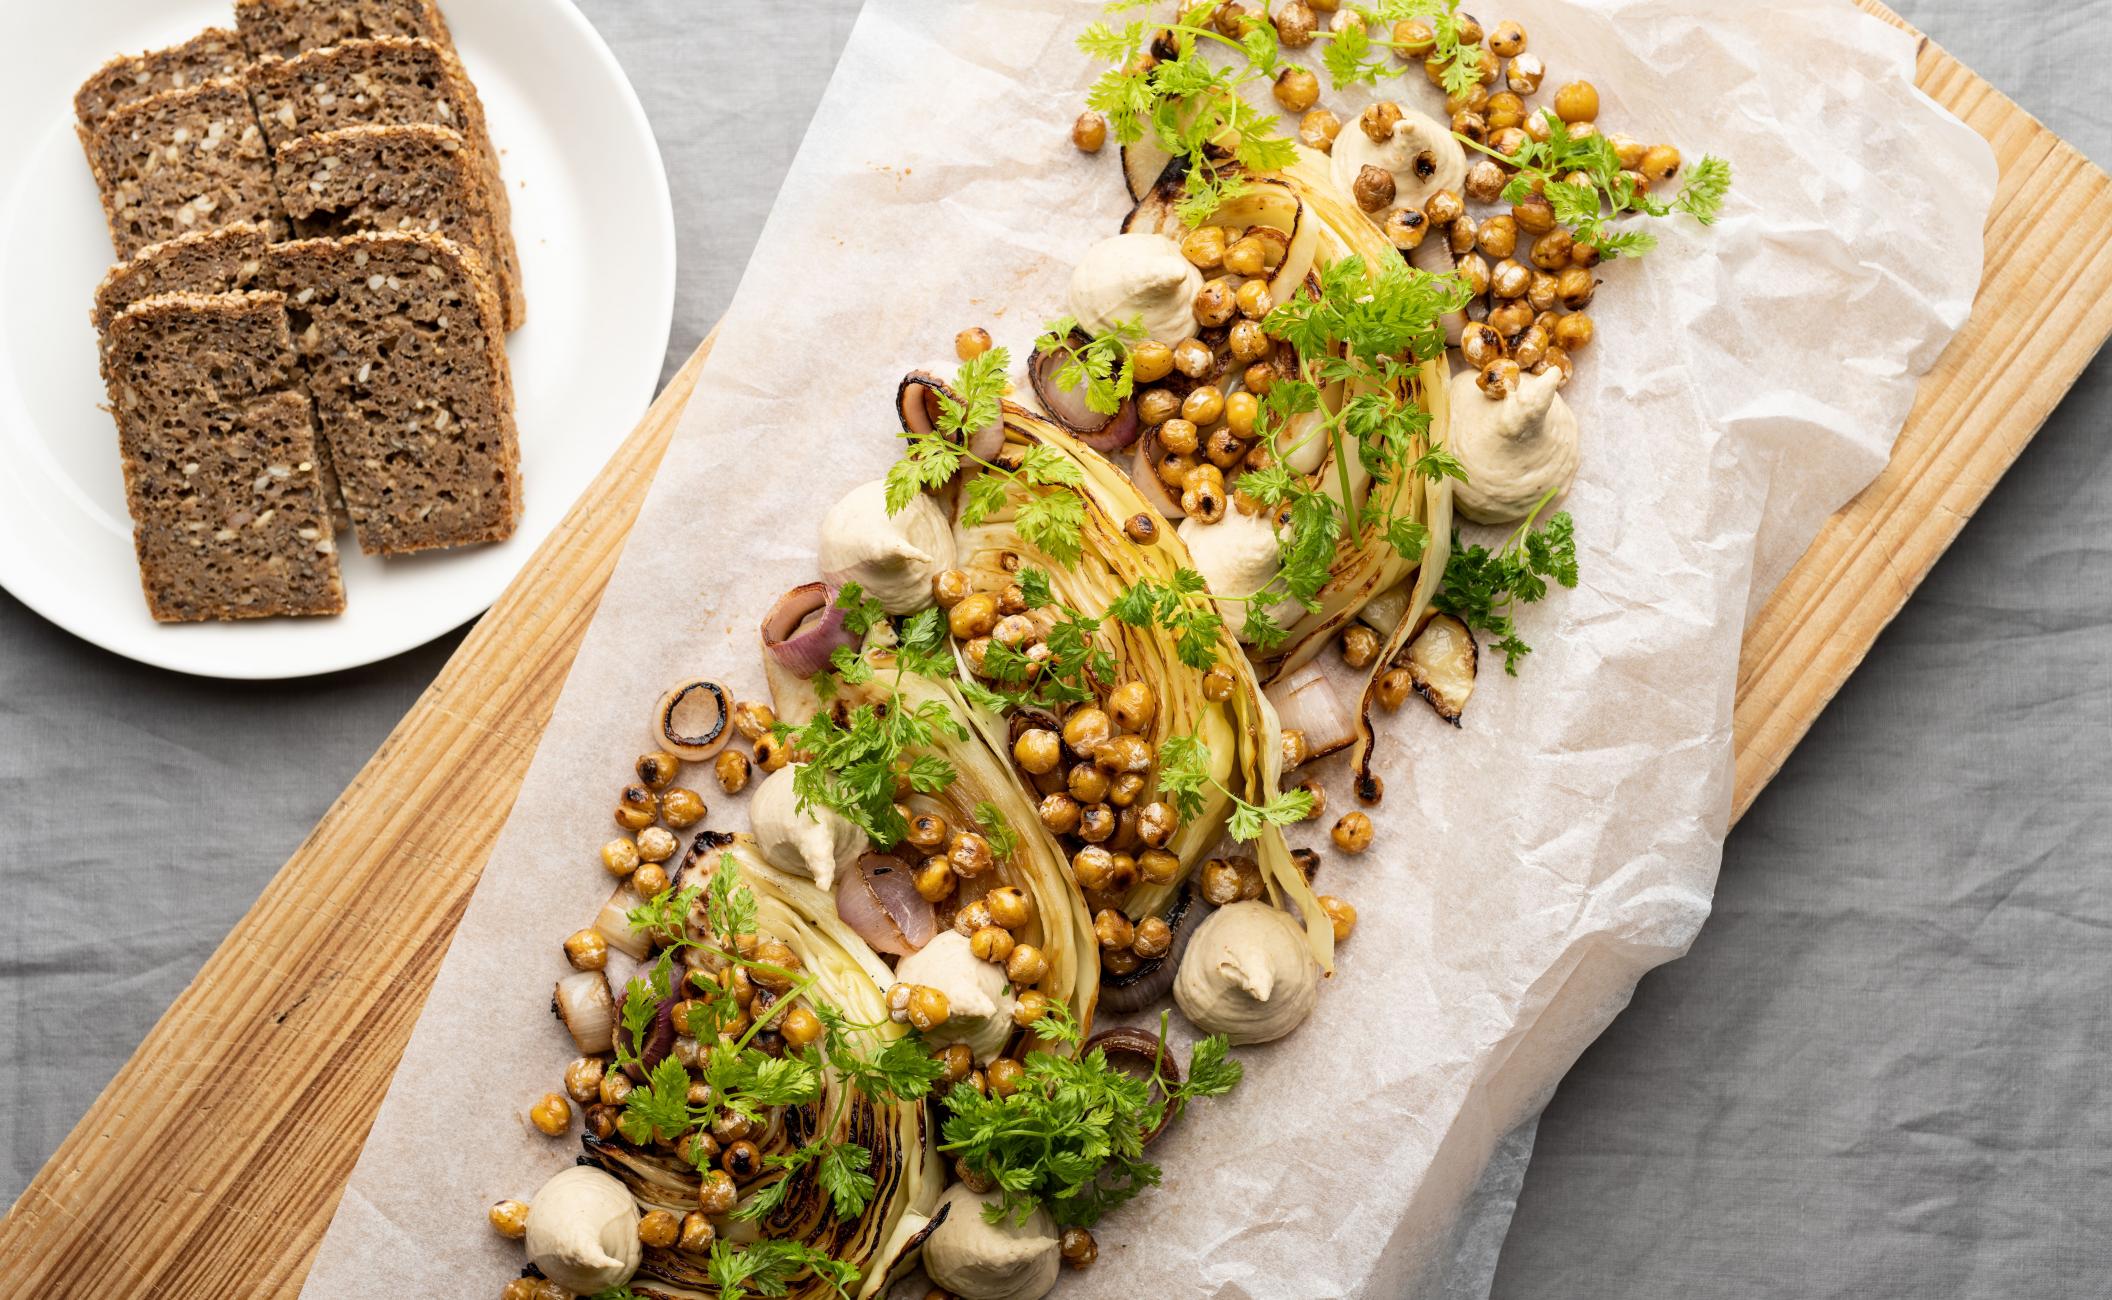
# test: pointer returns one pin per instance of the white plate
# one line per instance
(595, 226)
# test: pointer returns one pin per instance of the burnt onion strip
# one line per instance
(1144, 1051)
(803, 628)
(689, 734)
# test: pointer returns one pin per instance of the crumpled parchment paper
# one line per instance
(1746, 381)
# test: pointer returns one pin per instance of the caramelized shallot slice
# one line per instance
(1441, 663)
(583, 1001)
(694, 720)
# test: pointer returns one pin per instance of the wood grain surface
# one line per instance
(211, 1164)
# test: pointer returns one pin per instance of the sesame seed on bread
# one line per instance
(182, 160)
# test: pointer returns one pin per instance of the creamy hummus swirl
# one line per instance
(893, 557)
(979, 999)
(583, 1231)
(816, 843)
(1247, 974)
(979, 1260)
(1138, 276)
(1421, 155)
(1515, 449)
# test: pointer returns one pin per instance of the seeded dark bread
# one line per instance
(227, 260)
(385, 178)
(214, 52)
(401, 338)
(183, 160)
(390, 81)
(284, 28)
(218, 449)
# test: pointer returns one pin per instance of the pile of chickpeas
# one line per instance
(1532, 280)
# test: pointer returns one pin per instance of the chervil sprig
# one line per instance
(1481, 586)
(1100, 365)
(1606, 191)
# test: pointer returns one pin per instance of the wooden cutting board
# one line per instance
(211, 1165)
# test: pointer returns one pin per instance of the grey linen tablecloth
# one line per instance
(1881, 1072)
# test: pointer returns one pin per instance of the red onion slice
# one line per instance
(694, 720)
(660, 1035)
(917, 399)
(1099, 430)
(879, 900)
(1143, 1053)
(1306, 701)
(1144, 473)
(803, 628)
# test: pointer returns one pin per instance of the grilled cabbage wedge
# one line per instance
(1302, 202)
(1241, 733)
(882, 1241)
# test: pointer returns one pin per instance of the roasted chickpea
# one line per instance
(955, 1060)
(1509, 279)
(1193, 358)
(1508, 318)
(1378, 120)
(1498, 236)
(587, 950)
(1530, 348)
(1113, 929)
(1230, 880)
(1575, 287)
(657, 844)
(1009, 906)
(1373, 188)
(1296, 749)
(697, 1233)
(1153, 938)
(552, 1116)
(1156, 822)
(991, 943)
(1260, 378)
(754, 719)
(1296, 88)
(1534, 214)
(1360, 645)
(1124, 754)
(1031, 1006)
(1026, 965)
(619, 857)
(528, 1288)
(799, 1027)
(614, 1088)
(1508, 140)
(741, 1160)
(1096, 823)
(1132, 706)
(1214, 305)
(731, 769)
(1473, 270)
(1150, 361)
(928, 1007)
(1352, 832)
(1573, 332)
(1558, 361)
(1473, 99)
(1004, 1076)
(1406, 229)
(583, 1079)
(1499, 379)
(1248, 343)
(1551, 250)
(1507, 40)
(1218, 684)
(1255, 303)
(659, 1228)
(1504, 110)
(1089, 133)
(1577, 102)
(1340, 915)
(681, 808)
(975, 341)
(1318, 129)
(975, 615)
(1093, 867)
(1086, 783)
(970, 855)
(1460, 235)
(650, 880)
(1393, 687)
(1156, 405)
(1525, 73)
(934, 880)
(1660, 162)
(1038, 750)
(1475, 127)
(1059, 813)
(657, 769)
(1203, 405)
(1542, 292)
(1479, 344)
(1296, 24)
(1444, 208)
(637, 808)
(1158, 866)
(716, 1194)
(924, 831)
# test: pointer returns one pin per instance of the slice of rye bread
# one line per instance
(214, 52)
(285, 28)
(183, 160)
(389, 81)
(400, 334)
(228, 518)
(383, 178)
(227, 260)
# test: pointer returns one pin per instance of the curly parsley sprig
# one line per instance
(1349, 57)
(1184, 772)
(1071, 1137)
(1101, 365)
(1481, 586)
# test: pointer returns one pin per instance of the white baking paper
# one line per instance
(1746, 381)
